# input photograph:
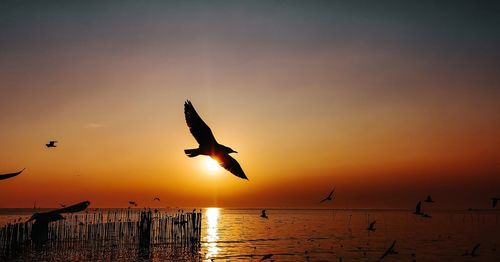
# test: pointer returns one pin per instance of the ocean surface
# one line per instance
(309, 235)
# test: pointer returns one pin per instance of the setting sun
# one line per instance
(211, 165)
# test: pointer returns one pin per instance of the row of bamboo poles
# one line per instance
(117, 227)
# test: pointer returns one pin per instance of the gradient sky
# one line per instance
(385, 101)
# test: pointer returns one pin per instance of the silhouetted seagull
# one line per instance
(389, 251)
(494, 200)
(371, 227)
(263, 214)
(329, 197)
(207, 144)
(156, 199)
(39, 230)
(10, 175)
(132, 203)
(268, 256)
(473, 251)
(429, 199)
(418, 209)
(51, 144)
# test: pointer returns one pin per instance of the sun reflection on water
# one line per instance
(212, 215)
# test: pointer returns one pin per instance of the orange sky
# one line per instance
(386, 105)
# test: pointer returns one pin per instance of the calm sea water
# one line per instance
(312, 235)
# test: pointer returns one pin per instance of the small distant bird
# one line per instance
(389, 251)
(371, 227)
(329, 197)
(51, 144)
(156, 199)
(207, 144)
(62, 205)
(132, 203)
(9, 175)
(494, 201)
(429, 199)
(263, 214)
(265, 257)
(473, 251)
(418, 208)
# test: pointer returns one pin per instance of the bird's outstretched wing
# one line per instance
(331, 193)
(197, 126)
(73, 208)
(5, 176)
(231, 165)
(328, 197)
(389, 250)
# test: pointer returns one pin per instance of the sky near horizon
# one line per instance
(386, 102)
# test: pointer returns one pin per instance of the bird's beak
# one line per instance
(234, 151)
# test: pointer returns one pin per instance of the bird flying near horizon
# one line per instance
(10, 175)
(51, 144)
(156, 199)
(473, 251)
(329, 197)
(389, 251)
(208, 145)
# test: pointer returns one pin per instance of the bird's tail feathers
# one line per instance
(192, 152)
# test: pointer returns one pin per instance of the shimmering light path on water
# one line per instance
(326, 235)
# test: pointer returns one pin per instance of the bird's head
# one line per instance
(228, 150)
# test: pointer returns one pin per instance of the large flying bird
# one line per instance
(207, 144)
(39, 229)
(5, 176)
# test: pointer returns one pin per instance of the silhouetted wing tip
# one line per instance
(240, 175)
(198, 128)
(231, 165)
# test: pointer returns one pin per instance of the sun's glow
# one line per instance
(211, 164)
